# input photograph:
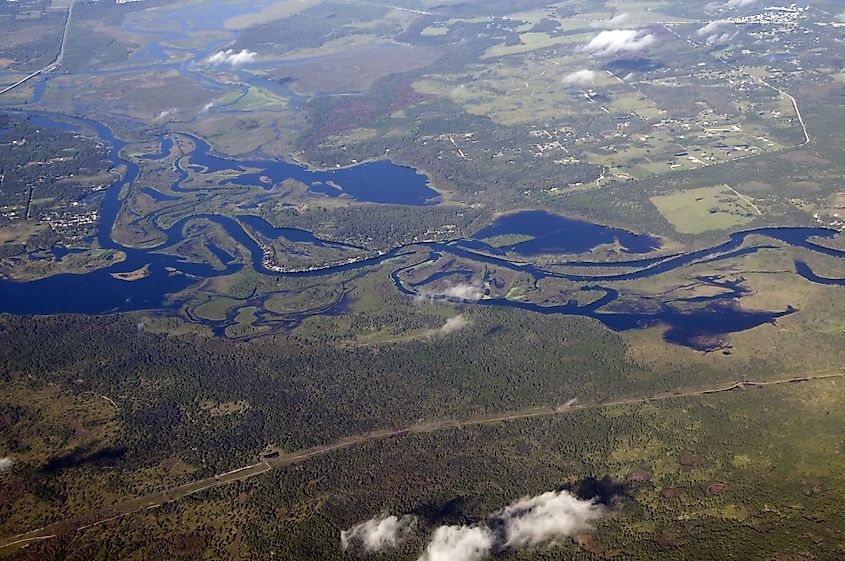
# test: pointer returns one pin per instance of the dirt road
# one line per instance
(158, 498)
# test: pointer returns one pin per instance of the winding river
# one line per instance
(99, 292)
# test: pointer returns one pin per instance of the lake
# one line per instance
(99, 292)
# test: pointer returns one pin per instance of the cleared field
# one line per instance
(701, 210)
(215, 310)
(260, 100)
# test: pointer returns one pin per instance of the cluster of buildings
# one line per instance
(773, 15)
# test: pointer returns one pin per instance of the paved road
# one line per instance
(152, 500)
(53, 65)
(762, 81)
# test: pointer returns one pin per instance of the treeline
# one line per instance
(303, 392)
(377, 226)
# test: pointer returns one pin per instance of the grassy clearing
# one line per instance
(214, 310)
(700, 210)
(507, 239)
(260, 100)
(432, 31)
(244, 324)
(310, 297)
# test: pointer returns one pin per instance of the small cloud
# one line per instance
(164, 114)
(6, 464)
(714, 33)
(463, 292)
(712, 27)
(378, 534)
(580, 77)
(615, 21)
(468, 292)
(529, 522)
(619, 41)
(526, 523)
(723, 39)
(459, 543)
(546, 518)
(231, 58)
(453, 324)
(730, 5)
(207, 107)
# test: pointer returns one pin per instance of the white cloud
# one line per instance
(722, 39)
(546, 518)
(580, 77)
(617, 41)
(615, 21)
(528, 522)
(453, 324)
(459, 543)
(232, 58)
(739, 3)
(378, 534)
(207, 107)
(6, 464)
(712, 27)
(729, 5)
(715, 34)
(164, 114)
(463, 292)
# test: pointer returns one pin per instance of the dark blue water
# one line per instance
(806, 272)
(61, 252)
(702, 329)
(617, 264)
(555, 234)
(381, 182)
(42, 120)
(220, 253)
(261, 226)
(698, 322)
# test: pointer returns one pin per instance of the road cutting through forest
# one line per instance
(274, 460)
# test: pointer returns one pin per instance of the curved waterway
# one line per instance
(381, 181)
(553, 234)
(99, 292)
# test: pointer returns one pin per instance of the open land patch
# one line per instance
(703, 209)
